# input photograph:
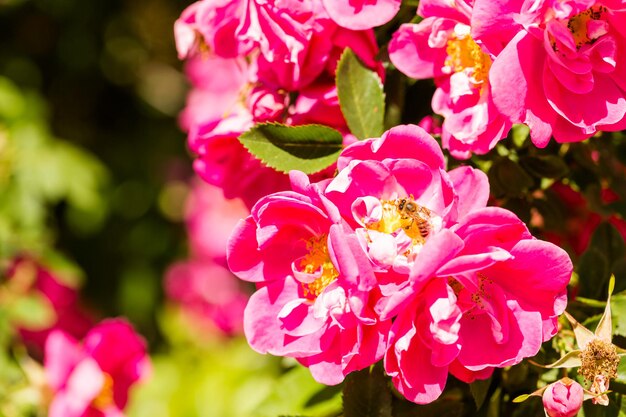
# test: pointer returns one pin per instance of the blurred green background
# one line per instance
(110, 83)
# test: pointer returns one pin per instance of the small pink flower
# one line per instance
(361, 14)
(441, 46)
(563, 398)
(94, 377)
(575, 86)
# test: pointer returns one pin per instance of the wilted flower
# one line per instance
(596, 357)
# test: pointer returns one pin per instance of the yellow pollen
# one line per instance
(577, 24)
(105, 398)
(317, 259)
(464, 53)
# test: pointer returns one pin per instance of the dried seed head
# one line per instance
(599, 358)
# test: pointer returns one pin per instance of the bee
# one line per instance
(414, 218)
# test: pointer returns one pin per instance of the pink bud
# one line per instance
(563, 398)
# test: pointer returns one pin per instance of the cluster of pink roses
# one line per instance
(253, 61)
(397, 258)
(556, 66)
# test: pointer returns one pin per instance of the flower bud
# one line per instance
(563, 398)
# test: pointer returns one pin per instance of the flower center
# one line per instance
(598, 358)
(473, 298)
(587, 26)
(465, 54)
(105, 398)
(317, 261)
(405, 214)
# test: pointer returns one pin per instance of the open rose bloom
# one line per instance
(441, 47)
(576, 83)
(397, 257)
(93, 377)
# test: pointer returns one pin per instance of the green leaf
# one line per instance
(609, 241)
(593, 272)
(508, 179)
(605, 326)
(570, 360)
(33, 312)
(296, 392)
(361, 96)
(307, 148)
(544, 166)
(521, 398)
(479, 390)
(367, 394)
(618, 307)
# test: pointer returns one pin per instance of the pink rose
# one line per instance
(312, 301)
(563, 398)
(575, 85)
(502, 292)
(395, 205)
(441, 46)
(94, 376)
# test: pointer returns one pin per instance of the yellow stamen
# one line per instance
(105, 398)
(317, 259)
(464, 53)
(577, 25)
